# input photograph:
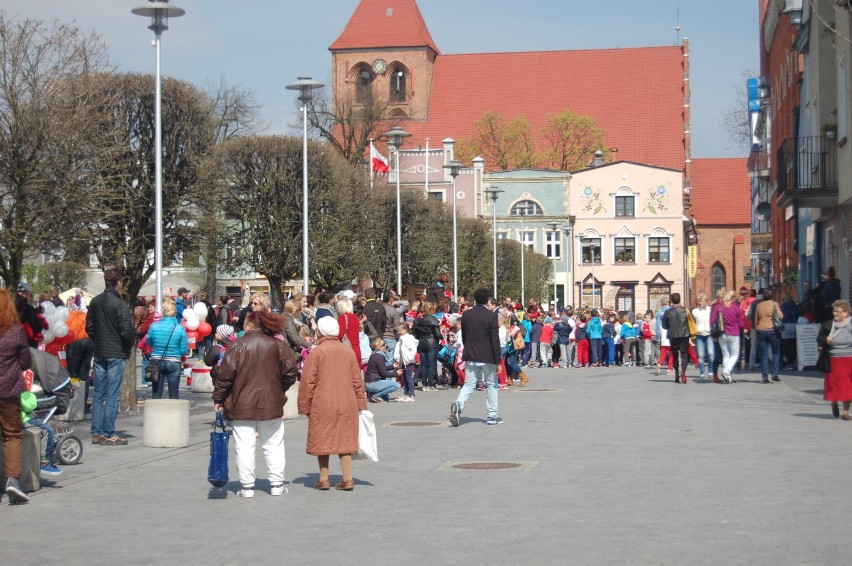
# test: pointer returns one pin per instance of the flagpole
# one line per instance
(426, 189)
(372, 173)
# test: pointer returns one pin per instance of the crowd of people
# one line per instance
(349, 349)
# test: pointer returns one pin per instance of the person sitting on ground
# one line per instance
(379, 379)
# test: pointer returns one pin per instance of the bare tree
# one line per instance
(119, 203)
(734, 119)
(235, 110)
(348, 125)
(47, 88)
(573, 140)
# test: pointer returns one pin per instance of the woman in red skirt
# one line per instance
(836, 335)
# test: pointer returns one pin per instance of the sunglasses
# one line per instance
(255, 304)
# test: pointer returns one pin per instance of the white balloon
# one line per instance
(59, 329)
(48, 309)
(47, 337)
(61, 314)
(193, 323)
(201, 310)
(189, 314)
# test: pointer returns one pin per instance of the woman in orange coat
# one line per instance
(331, 393)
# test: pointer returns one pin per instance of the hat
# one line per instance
(548, 320)
(25, 287)
(182, 290)
(225, 331)
(327, 326)
(348, 293)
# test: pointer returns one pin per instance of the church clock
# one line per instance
(380, 66)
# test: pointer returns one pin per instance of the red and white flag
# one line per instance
(378, 161)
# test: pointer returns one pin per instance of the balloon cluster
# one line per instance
(193, 323)
(57, 335)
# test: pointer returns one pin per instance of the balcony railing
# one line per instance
(758, 162)
(807, 172)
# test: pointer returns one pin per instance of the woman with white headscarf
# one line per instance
(331, 393)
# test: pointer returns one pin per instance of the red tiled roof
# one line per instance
(385, 23)
(721, 191)
(636, 96)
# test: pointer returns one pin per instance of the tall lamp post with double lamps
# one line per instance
(493, 193)
(554, 228)
(455, 167)
(159, 13)
(305, 86)
(522, 212)
(395, 138)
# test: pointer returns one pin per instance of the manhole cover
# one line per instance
(487, 466)
(685, 430)
(415, 423)
(476, 466)
(539, 390)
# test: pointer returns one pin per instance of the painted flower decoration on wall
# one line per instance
(657, 201)
(592, 201)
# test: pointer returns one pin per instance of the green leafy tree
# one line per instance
(538, 272)
(504, 145)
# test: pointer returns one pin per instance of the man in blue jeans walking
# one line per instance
(108, 324)
(481, 340)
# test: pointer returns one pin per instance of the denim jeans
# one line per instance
(595, 350)
(705, 349)
(108, 374)
(427, 373)
(512, 367)
(388, 353)
(47, 453)
(609, 349)
(525, 354)
(486, 373)
(381, 388)
(409, 380)
(169, 372)
(145, 359)
(769, 340)
(730, 345)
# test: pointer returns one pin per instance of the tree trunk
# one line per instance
(276, 296)
(127, 401)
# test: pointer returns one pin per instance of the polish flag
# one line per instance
(378, 161)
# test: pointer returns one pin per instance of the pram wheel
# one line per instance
(69, 450)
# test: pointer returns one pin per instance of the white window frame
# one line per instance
(553, 240)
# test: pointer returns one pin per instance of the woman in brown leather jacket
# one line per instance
(250, 387)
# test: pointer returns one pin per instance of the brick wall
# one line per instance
(730, 246)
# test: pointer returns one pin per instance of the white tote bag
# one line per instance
(368, 447)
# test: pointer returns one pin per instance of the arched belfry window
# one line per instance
(398, 83)
(364, 87)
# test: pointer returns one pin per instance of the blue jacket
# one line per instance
(179, 308)
(528, 325)
(595, 329)
(158, 336)
(629, 331)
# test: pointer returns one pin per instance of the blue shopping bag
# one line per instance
(217, 472)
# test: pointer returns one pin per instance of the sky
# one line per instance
(263, 45)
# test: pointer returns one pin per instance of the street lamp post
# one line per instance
(396, 137)
(522, 212)
(554, 228)
(455, 167)
(159, 13)
(304, 85)
(493, 193)
(569, 283)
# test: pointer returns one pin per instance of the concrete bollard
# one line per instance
(165, 423)
(30, 460)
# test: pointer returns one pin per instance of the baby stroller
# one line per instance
(52, 388)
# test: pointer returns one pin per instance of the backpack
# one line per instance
(218, 311)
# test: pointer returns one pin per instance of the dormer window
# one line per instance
(397, 86)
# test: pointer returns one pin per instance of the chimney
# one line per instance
(598, 158)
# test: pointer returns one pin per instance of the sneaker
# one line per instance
(376, 399)
(503, 388)
(669, 372)
(776, 379)
(97, 438)
(15, 492)
(113, 440)
(247, 492)
(494, 420)
(48, 469)
(455, 411)
(278, 489)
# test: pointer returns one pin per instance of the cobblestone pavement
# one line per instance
(597, 466)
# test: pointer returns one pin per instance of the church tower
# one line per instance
(385, 54)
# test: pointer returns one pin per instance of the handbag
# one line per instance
(152, 370)
(518, 341)
(368, 448)
(777, 323)
(217, 470)
(823, 362)
(690, 324)
(718, 326)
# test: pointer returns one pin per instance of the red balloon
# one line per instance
(204, 329)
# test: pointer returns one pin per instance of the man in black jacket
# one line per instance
(675, 322)
(481, 341)
(108, 324)
(375, 312)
